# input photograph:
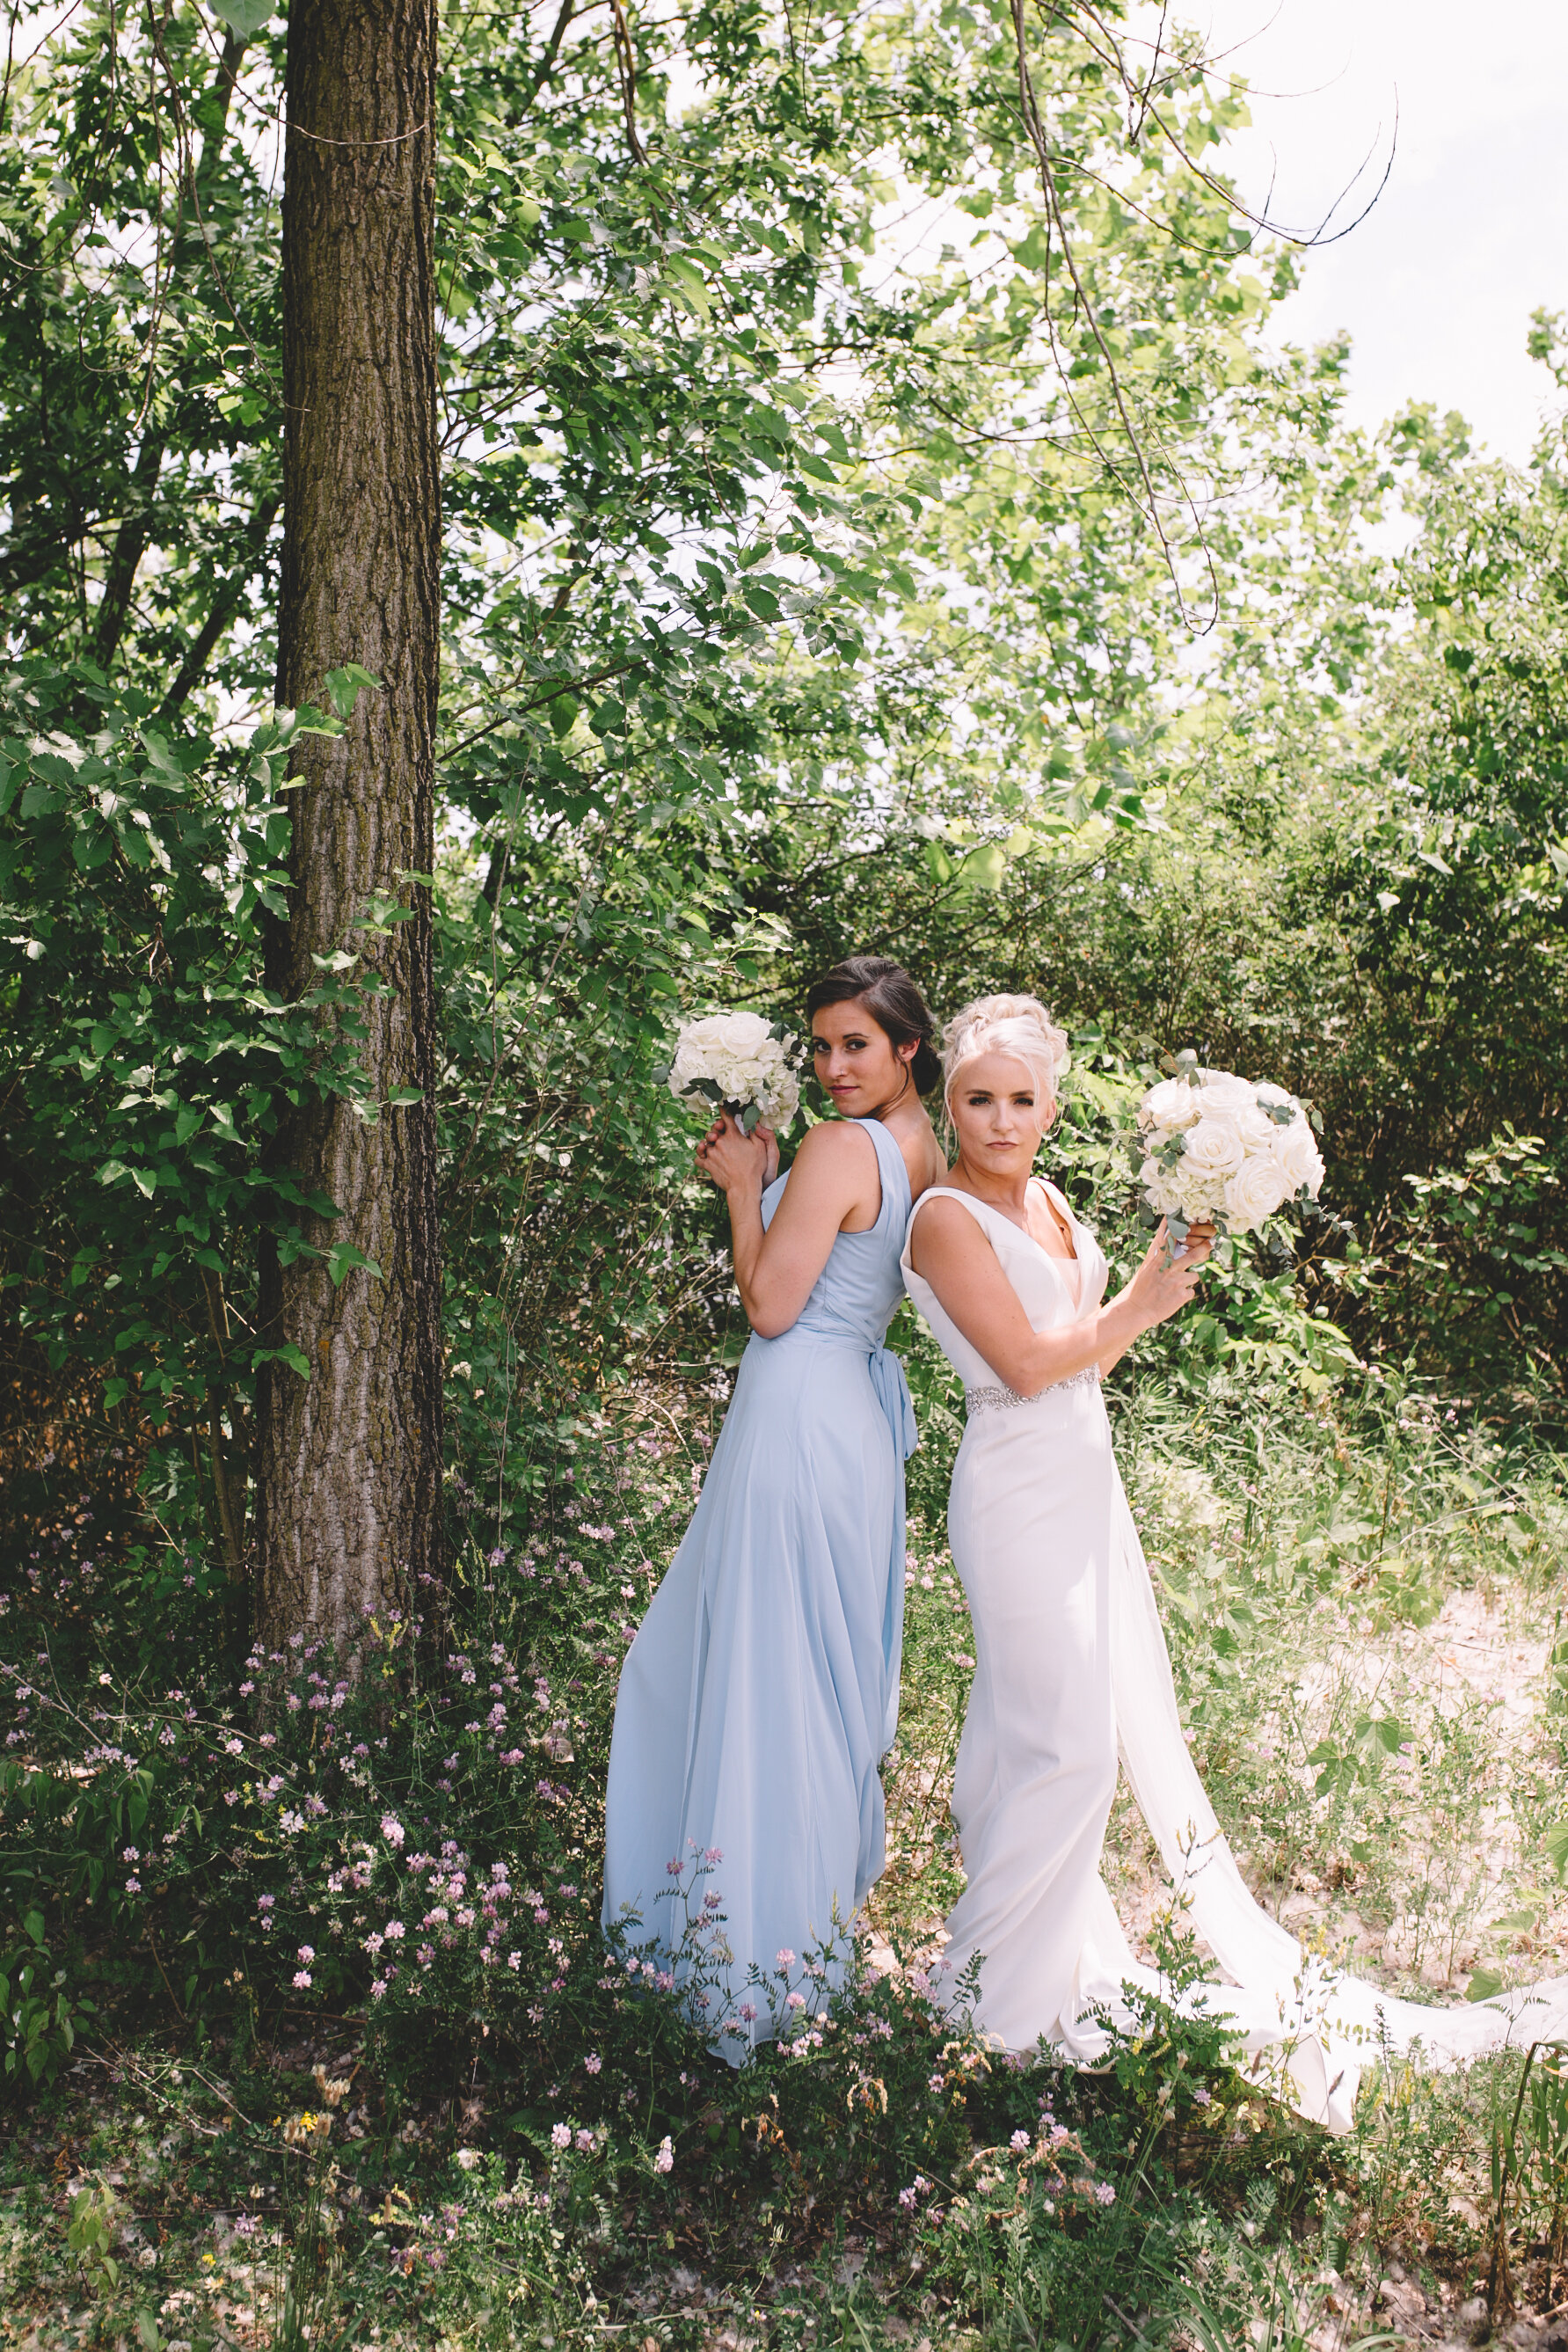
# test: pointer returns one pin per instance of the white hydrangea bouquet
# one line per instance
(1211, 1145)
(739, 1063)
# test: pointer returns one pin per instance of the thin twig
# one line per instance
(1035, 129)
(626, 67)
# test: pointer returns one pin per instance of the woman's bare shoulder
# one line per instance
(835, 1143)
(949, 1218)
(836, 1162)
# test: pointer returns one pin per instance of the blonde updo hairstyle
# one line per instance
(1018, 1025)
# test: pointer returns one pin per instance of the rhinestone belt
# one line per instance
(975, 1399)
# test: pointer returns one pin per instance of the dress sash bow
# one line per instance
(892, 1388)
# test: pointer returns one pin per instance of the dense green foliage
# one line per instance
(148, 1062)
(803, 592)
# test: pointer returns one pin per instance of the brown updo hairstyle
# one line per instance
(894, 1003)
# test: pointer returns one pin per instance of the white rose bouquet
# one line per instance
(739, 1063)
(1211, 1145)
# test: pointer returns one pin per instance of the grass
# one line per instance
(1363, 1605)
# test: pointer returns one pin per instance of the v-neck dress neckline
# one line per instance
(1071, 1268)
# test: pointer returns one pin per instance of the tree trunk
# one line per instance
(348, 1461)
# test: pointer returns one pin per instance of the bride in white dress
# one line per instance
(1071, 1668)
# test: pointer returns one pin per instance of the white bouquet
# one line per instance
(739, 1063)
(1211, 1145)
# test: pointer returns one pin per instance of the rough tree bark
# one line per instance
(348, 1461)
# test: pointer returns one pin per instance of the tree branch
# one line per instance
(552, 50)
(199, 651)
(626, 67)
(131, 538)
(1034, 127)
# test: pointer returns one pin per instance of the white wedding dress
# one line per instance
(1072, 1670)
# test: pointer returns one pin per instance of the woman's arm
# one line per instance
(950, 1250)
(834, 1177)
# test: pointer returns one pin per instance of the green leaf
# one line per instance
(244, 17)
(689, 285)
(985, 868)
(345, 685)
(1485, 1984)
(342, 1260)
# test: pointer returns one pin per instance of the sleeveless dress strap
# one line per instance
(945, 1193)
(887, 1375)
(1057, 1198)
(890, 1167)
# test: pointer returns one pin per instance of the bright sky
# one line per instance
(1472, 233)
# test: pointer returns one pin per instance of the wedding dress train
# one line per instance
(1071, 1672)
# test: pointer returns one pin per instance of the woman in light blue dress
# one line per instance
(761, 1692)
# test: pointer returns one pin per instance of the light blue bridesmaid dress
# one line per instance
(761, 1692)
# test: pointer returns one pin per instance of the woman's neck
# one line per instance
(1008, 1192)
(904, 1111)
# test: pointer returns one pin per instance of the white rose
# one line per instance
(1214, 1147)
(721, 1036)
(1172, 1104)
(1298, 1154)
(741, 1034)
(1274, 1098)
(1223, 1090)
(1257, 1131)
(1259, 1187)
